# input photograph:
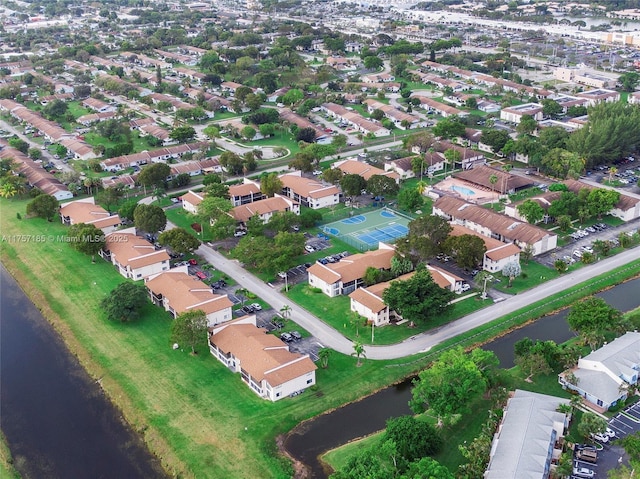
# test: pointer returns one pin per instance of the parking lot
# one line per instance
(611, 455)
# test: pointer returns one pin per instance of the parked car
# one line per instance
(193, 262)
(239, 233)
(201, 275)
(610, 432)
(587, 455)
(600, 437)
(309, 248)
(465, 287)
(256, 307)
(286, 337)
(583, 472)
(295, 335)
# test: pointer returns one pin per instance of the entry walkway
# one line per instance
(331, 338)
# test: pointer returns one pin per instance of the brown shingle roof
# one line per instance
(307, 188)
(186, 293)
(268, 205)
(131, 250)
(88, 213)
(262, 355)
(496, 222)
(353, 267)
(354, 167)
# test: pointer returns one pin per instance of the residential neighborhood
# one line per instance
(323, 239)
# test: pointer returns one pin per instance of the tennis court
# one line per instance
(364, 231)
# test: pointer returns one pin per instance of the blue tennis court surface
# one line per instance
(386, 233)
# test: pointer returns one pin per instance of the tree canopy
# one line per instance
(86, 238)
(449, 385)
(179, 240)
(190, 328)
(43, 206)
(418, 298)
(149, 218)
(426, 236)
(592, 317)
(125, 301)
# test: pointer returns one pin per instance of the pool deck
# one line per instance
(480, 195)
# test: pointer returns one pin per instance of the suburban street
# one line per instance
(329, 337)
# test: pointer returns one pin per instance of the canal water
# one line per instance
(56, 419)
(310, 439)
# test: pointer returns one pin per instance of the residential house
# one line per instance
(368, 302)
(599, 95)
(634, 98)
(529, 437)
(354, 119)
(627, 208)
(399, 118)
(433, 106)
(469, 157)
(265, 208)
(480, 175)
(98, 106)
(495, 225)
(346, 275)
(402, 166)
(514, 114)
(134, 256)
(191, 200)
(87, 212)
(497, 254)
(603, 376)
(355, 167)
(309, 192)
(178, 293)
(264, 362)
(36, 175)
(246, 192)
(301, 122)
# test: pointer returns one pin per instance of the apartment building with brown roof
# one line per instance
(309, 192)
(343, 277)
(133, 256)
(265, 209)
(264, 362)
(87, 212)
(495, 225)
(178, 293)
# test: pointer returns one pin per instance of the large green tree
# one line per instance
(410, 199)
(154, 175)
(592, 317)
(531, 211)
(380, 185)
(352, 185)
(43, 206)
(179, 240)
(217, 212)
(190, 328)
(467, 250)
(149, 218)
(270, 184)
(414, 439)
(419, 298)
(86, 238)
(562, 164)
(426, 236)
(449, 385)
(125, 302)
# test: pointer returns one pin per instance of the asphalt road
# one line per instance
(331, 338)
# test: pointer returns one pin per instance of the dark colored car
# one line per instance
(295, 335)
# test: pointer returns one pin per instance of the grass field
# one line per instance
(336, 312)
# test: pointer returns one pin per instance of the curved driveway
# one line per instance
(331, 338)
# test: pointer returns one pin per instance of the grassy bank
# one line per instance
(7, 471)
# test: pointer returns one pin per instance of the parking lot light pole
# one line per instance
(286, 283)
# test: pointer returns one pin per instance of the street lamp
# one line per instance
(286, 282)
(484, 287)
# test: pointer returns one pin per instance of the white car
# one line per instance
(256, 306)
(583, 472)
(600, 437)
(309, 248)
(465, 287)
(610, 432)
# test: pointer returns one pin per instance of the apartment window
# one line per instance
(309, 381)
(277, 395)
(139, 275)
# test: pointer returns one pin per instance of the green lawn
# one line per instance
(77, 110)
(180, 217)
(139, 143)
(534, 274)
(336, 312)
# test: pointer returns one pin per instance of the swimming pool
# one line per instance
(462, 190)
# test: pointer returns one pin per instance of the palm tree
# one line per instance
(323, 355)
(421, 186)
(355, 319)
(493, 179)
(506, 169)
(358, 352)
(612, 171)
(242, 292)
(285, 311)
